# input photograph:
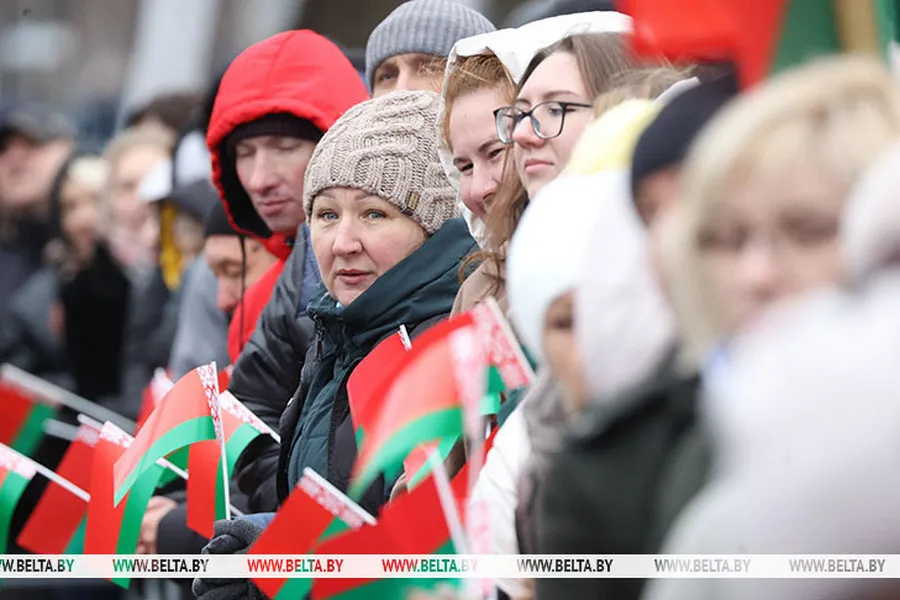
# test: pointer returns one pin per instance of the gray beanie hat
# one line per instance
(387, 147)
(425, 27)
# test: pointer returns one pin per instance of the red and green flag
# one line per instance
(314, 510)
(507, 369)
(206, 493)
(114, 528)
(368, 379)
(422, 401)
(414, 523)
(22, 426)
(16, 471)
(760, 36)
(56, 525)
(188, 414)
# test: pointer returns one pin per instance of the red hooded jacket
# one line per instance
(295, 72)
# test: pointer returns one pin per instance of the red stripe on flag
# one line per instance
(297, 526)
(59, 512)
(189, 399)
(15, 408)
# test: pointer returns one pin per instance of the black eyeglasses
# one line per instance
(547, 119)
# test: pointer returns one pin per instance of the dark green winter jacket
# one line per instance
(316, 430)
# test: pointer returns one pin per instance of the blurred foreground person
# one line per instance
(802, 412)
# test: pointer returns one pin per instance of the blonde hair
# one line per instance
(147, 134)
(88, 171)
(471, 74)
(644, 84)
(836, 114)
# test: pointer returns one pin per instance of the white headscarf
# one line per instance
(549, 251)
(515, 48)
(870, 228)
(625, 327)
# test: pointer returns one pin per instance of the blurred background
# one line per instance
(97, 60)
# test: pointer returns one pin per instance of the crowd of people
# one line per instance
(703, 277)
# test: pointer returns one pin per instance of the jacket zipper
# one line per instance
(336, 416)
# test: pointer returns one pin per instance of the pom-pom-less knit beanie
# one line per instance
(387, 147)
(424, 27)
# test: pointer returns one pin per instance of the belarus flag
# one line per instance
(188, 414)
(115, 528)
(22, 425)
(207, 498)
(56, 525)
(15, 473)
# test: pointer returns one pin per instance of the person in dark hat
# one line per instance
(35, 142)
(236, 260)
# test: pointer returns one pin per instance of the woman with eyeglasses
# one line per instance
(554, 101)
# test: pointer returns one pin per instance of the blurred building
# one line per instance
(96, 59)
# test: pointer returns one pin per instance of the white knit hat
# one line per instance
(548, 252)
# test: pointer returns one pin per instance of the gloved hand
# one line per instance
(232, 537)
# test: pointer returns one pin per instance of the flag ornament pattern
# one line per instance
(206, 500)
(22, 426)
(504, 352)
(16, 471)
(188, 414)
(56, 525)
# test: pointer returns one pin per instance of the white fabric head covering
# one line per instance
(515, 47)
(624, 324)
(870, 228)
(805, 421)
(548, 252)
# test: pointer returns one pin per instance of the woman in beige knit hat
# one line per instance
(383, 230)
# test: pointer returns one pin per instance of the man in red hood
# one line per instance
(274, 103)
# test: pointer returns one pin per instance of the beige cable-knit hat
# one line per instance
(388, 147)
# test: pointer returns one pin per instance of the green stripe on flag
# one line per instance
(10, 492)
(136, 506)
(32, 431)
(237, 441)
(183, 434)
(179, 458)
(809, 29)
(389, 458)
(76, 544)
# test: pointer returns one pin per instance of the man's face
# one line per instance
(410, 72)
(271, 169)
(223, 254)
(27, 171)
